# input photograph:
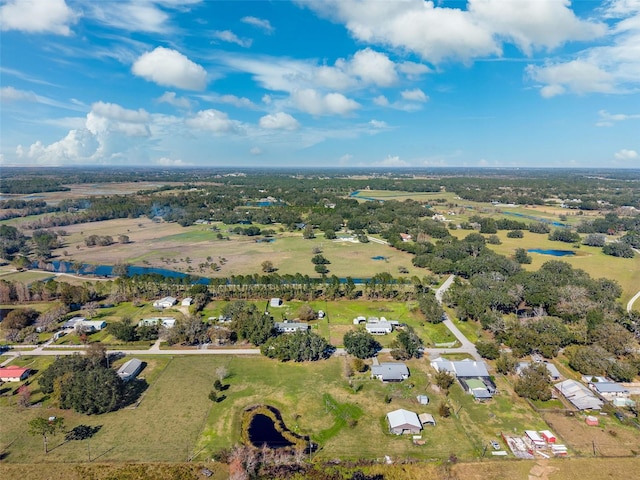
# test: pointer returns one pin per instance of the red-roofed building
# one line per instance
(13, 373)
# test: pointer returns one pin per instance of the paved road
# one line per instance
(39, 350)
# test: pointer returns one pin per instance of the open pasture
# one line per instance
(170, 246)
(176, 398)
(84, 190)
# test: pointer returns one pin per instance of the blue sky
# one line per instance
(335, 83)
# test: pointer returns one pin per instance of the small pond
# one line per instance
(4, 312)
(555, 253)
(262, 431)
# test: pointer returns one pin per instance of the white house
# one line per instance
(187, 301)
(290, 327)
(166, 302)
(379, 328)
(403, 421)
(90, 326)
(390, 371)
(167, 322)
(610, 390)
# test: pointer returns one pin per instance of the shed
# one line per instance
(591, 420)
(548, 436)
(423, 399)
(13, 373)
(187, 301)
(403, 421)
(275, 302)
(427, 419)
(130, 369)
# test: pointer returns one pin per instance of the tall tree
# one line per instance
(47, 428)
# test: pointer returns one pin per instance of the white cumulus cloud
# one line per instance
(315, 103)
(279, 121)
(111, 133)
(170, 68)
(373, 67)
(613, 67)
(37, 16)
(415, 95)
(625, 154)
(214, 121)
(439, 33)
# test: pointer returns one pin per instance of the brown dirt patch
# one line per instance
(610, 438)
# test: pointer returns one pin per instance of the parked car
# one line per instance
(495, 445)
(619, 416)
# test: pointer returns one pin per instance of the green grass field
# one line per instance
(175, 420)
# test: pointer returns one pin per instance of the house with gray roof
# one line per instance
(404, 422)
(472, 375)
(390, 372)
(379, 328)
(166, 302)
(291, 327)
(610, 390)
(462, 368)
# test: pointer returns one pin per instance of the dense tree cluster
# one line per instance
(534, 382)
(298, 347)
(361, 344)
(83, 384)
(406, 345)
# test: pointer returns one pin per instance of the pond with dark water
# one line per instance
(4, 312)
(262, 430)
